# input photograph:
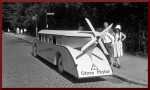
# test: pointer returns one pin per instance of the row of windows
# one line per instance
(47, 38)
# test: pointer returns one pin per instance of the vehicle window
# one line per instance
(40, 37)
(50, 39)
(47, 38)
(54, 40)
(43, 38)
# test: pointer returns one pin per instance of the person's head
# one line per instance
(106, 24)
(118, 28)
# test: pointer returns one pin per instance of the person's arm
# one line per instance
(124, 36)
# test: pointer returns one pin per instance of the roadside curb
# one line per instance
(130, 80)
(30, 42)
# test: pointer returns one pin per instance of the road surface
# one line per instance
(21, 69)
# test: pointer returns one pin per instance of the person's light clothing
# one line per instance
(117, 45)
(107, 37)
(18, 30)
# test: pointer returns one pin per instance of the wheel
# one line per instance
(34, 50)
(60, 65)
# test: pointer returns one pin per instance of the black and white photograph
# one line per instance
(75, 45)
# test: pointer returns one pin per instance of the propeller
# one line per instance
(91, 26)
(96, 39)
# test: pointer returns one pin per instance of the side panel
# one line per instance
(98, 66)
(91, 64)
(46, 49)
(68, 62)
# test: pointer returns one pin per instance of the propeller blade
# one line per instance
(94, 31)
(108, 28)
(91, 26)
(88, 44)
(86, 47)
(100, 42)
(102, 47)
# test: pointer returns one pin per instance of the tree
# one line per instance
(12, 14)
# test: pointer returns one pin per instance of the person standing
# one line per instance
(107, 40)
(17, 30)
(117, 45)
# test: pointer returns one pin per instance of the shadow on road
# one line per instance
(67, 75)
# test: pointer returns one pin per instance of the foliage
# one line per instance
(132, 17)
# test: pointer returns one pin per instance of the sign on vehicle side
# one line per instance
(95, 71)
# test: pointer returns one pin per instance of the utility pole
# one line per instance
(34, 18)
(46, 18)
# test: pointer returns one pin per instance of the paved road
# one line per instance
(21, 69)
